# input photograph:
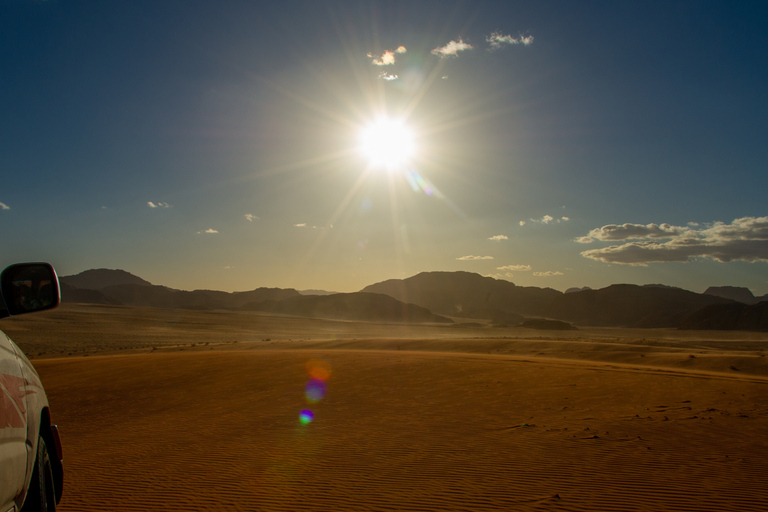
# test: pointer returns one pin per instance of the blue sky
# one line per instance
(557, 144)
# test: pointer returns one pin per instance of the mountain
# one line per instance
(629, 305)
(118, 287)
(730, 316)
(96, 279)
(473, 296)
(466, 294)
(737, 293)
(359, 306)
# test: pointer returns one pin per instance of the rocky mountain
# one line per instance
(117, 287)
(468, 295)
(431, 296)
(96, 279)
(629, 305)
(349, 306)
(737, 293)
(730, 316)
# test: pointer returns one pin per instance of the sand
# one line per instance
(432, 423)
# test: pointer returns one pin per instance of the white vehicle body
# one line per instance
(27, 437)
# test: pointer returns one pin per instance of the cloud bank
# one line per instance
(744, 239)
(548, 273)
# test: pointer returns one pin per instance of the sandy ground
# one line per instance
(205, 415)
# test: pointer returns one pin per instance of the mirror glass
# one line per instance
(29, 287)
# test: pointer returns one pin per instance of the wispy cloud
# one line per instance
(497, 238)
(387, 58)
(452, 49)
(548, 273)
(4, 206)
(473, 258)
(496, 40)
(208, 231)
(547, 219)
(158, 205)
(300, 225)
(250, 217)
(515, 268)
(744, 239)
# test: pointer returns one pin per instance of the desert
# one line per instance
(201, 410)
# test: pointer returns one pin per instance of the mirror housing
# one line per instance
(29, 287)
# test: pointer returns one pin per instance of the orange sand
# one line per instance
(416, 431)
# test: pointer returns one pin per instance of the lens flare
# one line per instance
(306, 416)
(318, 369)
(315, 390)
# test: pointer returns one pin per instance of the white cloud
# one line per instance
(452, 49)
(208, 231)
(628, 231)
(250, 217)
(522, 223)
(548, 273)
(387, 76)
(497, 40)
(497, 238)
(387, 58)
(516, 268)
(4, 206)
(547, 219)
(744, 239)
(300, 225)
(158, 205)
(472, 258)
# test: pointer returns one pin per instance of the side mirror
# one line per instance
(28, 287)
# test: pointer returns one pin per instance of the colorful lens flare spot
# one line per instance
(315, 391)
(306, 416)
(318, 369)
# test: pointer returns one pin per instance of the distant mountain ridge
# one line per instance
(117, 287)
(434, 296)
(737, 293)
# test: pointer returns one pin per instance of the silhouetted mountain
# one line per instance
(629, 305)
(465, 294)
(164, 297)
(737, 293)
(123, 288)
(421, 298)
(72, 294)
(577, 289)
(96, 279)
(730, 316)
(316, 292)
(350, 306)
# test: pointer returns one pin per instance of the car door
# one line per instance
(13, 425)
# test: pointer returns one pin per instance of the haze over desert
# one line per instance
(201, 411)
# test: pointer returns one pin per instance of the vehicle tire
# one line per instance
(41, 496)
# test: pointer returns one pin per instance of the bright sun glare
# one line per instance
(387, 143)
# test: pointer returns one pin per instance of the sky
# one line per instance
(218, 145)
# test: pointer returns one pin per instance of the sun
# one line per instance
(387, 143)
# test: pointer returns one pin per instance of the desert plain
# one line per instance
(202, 410)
